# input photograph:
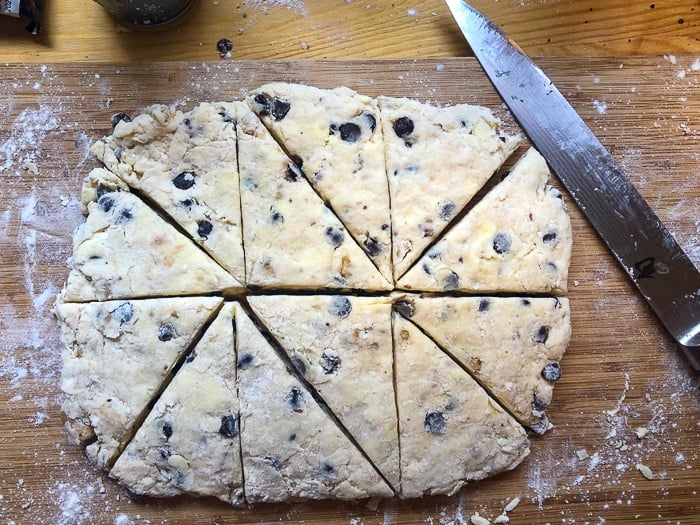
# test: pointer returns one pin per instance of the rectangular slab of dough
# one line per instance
(517, 239)
(336, 137)
(115, 357)
(186, 163)
(292, 450)
(437, 158)
(451, 431)
(342, 346)
(189, 443)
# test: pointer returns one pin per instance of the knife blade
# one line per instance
(660, 269)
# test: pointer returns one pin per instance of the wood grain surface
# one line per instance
(80, 30)
(622, 375)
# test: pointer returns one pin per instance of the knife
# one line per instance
(646, 250)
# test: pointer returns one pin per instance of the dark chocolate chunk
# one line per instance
(276, 217)
(261, 99)
(447, 210)
(525, 302)
(280, 108)
(224, 46)
(164, 453)
(292, 436)
(405, 307)
(184, 180)
(191, 357)
(434, 423)
(167, 429)
(426, 269)
(549, 237)
(244, 361)
(299, 364)
(350, 132)
(295, 399)
(403, 127)
(123, 313)
(538, 404)
(334, 236)
(292, 174)
(340, 306)
(105, 203)
(118, 117)
(329, 363)
(125, 216)
(373, 246)
(230, 426)
(187, 203)
(540, 427)
(551, 371)
(166, 331)
(541, 335)
(408, 144)
(502, 243)
(484, 305)
(370, 120)
(204, 228)
(451, 282)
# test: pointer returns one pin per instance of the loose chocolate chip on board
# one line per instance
(118, 117)
(124, 313)
(224, 46)
(551, 371)
(298, 364)
(280, 108)
(403, 127)
(244, 361)
(350, 132)
(373, 246)
(204, 228)
(230, 426)
(167, 429)
(105, 203)
(405, 307)
(295, 399)
(502, 243)
(184, 180)
(434, 423)
(340, 306)
(329, 363)
(166, 331)
(334, 236)
(540, 427)
(541, 335)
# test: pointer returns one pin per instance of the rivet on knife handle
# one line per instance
(663, 273)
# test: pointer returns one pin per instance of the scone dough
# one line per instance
(451, 431)
(106, 343)
(189, 443)
(437, 158)
(342, 345)
(517, 239)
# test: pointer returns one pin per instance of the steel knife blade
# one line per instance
(663, 273)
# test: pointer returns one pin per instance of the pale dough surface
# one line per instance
(336, 136)
(451, 431)
(517, 239)
(189, 443)
(437, 158)
(342, 345)
(107, 342)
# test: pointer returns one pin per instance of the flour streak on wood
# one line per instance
(622, 377)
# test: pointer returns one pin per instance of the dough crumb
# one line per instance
(501, 519)
(476, 519)
(645, 471)
(641, 432)
(512, 504)
(582, 454)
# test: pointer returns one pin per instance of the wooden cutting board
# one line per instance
(626, 397)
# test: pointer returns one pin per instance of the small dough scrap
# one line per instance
(186, 163)
(189, 443)
(437, 158)
(342, 346)
(292, 450)
(451, 431)
(125, 250)
(292, 239)
(511, 345)
(336, 136)
(517, 239)
(107, 342)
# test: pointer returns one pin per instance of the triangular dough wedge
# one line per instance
(292, 239)
(189, 443)
(124, 249)
(292, 449)
(437, 158)
(516, 239)
(342, 346)
(451, 431)
(511, 345)
(336, 137)
(186, 163)
(116, 356)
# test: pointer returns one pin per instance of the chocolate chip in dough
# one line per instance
(551, 371)
(403, 127)
(538, 404)
(118, 117)
(484, 305)
(329, 363)
(405, 307)
(105, 203)
(434, 423)
(166, 331)
(167, 430)
(244, 361)
(276, 217)
(327, 469)
(340, 306)
(334, 236)
(230, 426)
(350, 132)
(373, 246)
(124, 216)
(292, 174)
(184, 180)
(447, 211)
(123, 313)
(298, 364)
(541, 335)
(451, 282)
(370, 120)
(549, 237)
(204, 228)
(280, 108)
(295, 399)
(502, 243)
(264, 103)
